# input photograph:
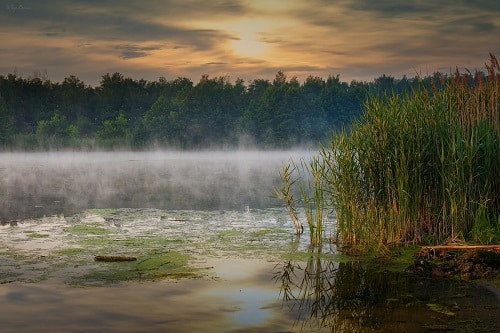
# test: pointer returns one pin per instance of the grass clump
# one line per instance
(418, 168)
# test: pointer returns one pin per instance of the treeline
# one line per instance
(122, 112)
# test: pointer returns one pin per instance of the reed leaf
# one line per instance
(418, 168)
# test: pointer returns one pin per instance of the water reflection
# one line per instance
(326, 295)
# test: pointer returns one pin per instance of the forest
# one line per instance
(216, 113)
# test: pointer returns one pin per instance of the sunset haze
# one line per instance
(356, 39)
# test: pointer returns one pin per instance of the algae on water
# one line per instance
(169, 264)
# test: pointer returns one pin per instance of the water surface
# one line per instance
(247, 272)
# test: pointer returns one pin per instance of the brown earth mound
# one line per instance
(467, 262)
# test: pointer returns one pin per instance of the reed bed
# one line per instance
(417, 168)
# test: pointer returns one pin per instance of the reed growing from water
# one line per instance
(305, 180)
(286, 194)
(419, 168)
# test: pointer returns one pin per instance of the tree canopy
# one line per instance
(36, 113)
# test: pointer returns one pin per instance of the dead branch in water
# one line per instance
(114, 258)
(461, 247)
(450, 251)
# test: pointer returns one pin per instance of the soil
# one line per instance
(469, 264)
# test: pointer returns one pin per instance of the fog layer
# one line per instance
(35, 184)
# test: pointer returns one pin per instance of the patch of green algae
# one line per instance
(33, 234)
(443, 309)
(103, 211)
(161, 265)
(87, 229)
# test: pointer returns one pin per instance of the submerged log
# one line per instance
(114, 258)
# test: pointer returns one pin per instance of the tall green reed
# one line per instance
(287, 195)
(417, 168)
(307, 179)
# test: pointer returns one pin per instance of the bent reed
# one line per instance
(416, 168)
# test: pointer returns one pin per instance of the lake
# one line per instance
(213, 250)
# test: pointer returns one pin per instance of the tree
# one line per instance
(162, 121)
(5, 126)
(115, 130)
(57, 126)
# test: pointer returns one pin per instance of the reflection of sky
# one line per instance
(160, 306)
(250, 304)
(252, 311)
(250, 299)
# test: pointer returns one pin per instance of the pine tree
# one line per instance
(5, 128)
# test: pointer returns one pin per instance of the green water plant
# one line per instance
(152, 266)
(287, 195)
(417, 168)
(306, 178)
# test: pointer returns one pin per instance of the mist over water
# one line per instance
(215, 207)
(37, 184)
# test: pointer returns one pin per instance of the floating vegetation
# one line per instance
(33, 234)
(448, 310)
(170, 264)
(88, 229)
(103, 211)
(69, 251)
(166, 244)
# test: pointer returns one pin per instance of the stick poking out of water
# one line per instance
(114, 258)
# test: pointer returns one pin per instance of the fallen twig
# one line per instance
(114, 258)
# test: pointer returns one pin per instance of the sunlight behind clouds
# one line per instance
(357, 39)
(248, 45)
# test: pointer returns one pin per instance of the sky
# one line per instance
(246, 39)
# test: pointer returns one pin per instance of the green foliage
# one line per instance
(55, 126)
(5, 127)
(215, 112)
(418, 167)
(285, 193)
(114, 132)
(55, 132)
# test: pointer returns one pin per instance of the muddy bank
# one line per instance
(468, 263)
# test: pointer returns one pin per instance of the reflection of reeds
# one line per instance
(325, 295)
(417, 168)
(328, 294)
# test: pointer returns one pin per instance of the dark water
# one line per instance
(218, 207)
(354, 297)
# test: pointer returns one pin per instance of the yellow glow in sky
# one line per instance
(248, 45)
(359, 40)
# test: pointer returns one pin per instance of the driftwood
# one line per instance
(114, 258)
(462, 247)
(446, 251)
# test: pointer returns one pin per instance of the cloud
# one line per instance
(124, 20)
(216, 63)
(247, 39)
(135, 51)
